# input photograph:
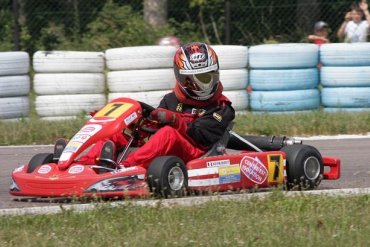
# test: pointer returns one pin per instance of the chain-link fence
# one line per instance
(32, 25)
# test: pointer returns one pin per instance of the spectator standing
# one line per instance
(354, 28)
(321, 33)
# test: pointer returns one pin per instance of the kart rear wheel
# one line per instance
(38, 160)
(167, 177)
(304, 167)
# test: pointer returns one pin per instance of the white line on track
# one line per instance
(186, 201)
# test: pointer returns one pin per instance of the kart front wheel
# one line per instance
(167, 177)
(304, 167)
(38, 160)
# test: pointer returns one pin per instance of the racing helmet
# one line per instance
(197, 70)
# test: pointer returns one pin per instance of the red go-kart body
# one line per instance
(294, 166)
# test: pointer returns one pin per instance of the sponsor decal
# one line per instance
(218, 163)
(179, 107)
(199, 112)
(44, 169)
(253, 169)
(229, 174)
(76, 169)
(72, 146)
(90, 129)
(130, 118)
(198, 71)
(80, 138)
(65, 156)
(217, 116)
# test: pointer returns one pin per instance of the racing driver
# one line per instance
(195, 114)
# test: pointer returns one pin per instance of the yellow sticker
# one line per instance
(228, 170)
(114, 110)
(276, 168)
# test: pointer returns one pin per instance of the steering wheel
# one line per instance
(146, 110)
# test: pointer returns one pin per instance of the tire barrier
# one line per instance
(284, 77)
(152, 98)
(296, 100)
(68, 61)
(346, 97)
(232, 56)
(345, 77)
(143, 57)
(345, 54)
(68, 105)
(68, 83)
(282, 56)
(146, 73)
(15, 85)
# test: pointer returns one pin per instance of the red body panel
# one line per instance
(237, 171)
(49, 181)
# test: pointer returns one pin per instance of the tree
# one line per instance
(155, 12)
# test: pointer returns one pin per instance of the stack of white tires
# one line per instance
(284, 77)
(68, 83)
(345, 77)
(142, 73)
(14, 85)
(146, 73)
(233, 60)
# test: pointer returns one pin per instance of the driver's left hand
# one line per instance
(164, 117)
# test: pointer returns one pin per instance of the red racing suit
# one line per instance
(200, 125)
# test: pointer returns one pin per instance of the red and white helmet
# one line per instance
(196, 70)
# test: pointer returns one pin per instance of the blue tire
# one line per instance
(284, 79)
(357, 97)
(345, 76)
(345, 54)
(295, 100)
(283, 56)
(338, 109)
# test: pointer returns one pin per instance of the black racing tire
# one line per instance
(304, 167)
(167, 177)
(38, 160)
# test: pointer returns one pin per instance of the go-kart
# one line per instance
(234, 163)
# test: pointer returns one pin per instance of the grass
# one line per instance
(35, 131)
(273, 221)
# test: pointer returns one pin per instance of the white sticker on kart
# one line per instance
(253, 169)
(90, 129)
(218, 163)
(44, 169)
(76, 169)
(130, 118)
(65, 156)
(80, 137)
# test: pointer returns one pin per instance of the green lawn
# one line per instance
(276, 220)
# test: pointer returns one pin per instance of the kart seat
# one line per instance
(220, 146)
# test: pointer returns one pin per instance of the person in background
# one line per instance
(170, 40)
(321, 32)
(354, 28)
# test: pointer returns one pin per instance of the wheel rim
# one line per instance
(176, 178)
(312, 168)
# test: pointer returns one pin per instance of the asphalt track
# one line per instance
(354, 153)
